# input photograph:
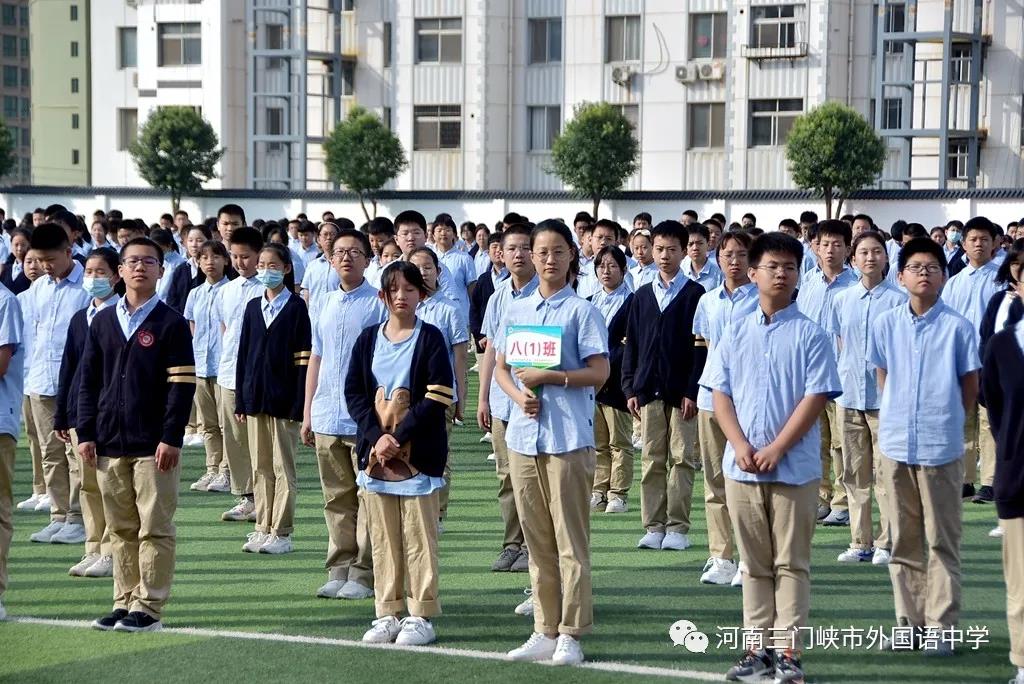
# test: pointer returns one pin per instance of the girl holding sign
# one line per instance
(558, 346)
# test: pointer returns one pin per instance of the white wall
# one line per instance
(113, 89)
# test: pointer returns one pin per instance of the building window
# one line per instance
(74, 157)
(892, 113)
(545, 36)
(23, 15)
(10, 107)
(632, 114)
(386, 38)
(10, 15)
(10, 76)
(895, 21)
(74, 12)
(275, 121)
(180, 44)
(74, 85)
(960, 64)
(74, 122)
(956, 161)
(771, 120)
(545, 125)
(707, 125)
(348, 5)
(348, 78)
(437, 127)
(10, 46)
(273, 39)
(776, 26)
(24, 47)
(622, 39)
(26, 137)
(26, 107)
(74, 48)
(26, 78)
(707, 35)
(439, 40)
(127, 127)
(385, 117)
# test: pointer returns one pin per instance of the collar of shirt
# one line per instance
(360, 289)
(929, 315)
(92, 309)
(554, 301)
(987, 266)
(74, 276)
(274, 306)
(687, 267)
(209, 287)
(846, 274)
(674, 283)
(141, 312)
(786, 314)
(875, 292)
(527, 289)
(741, 292)
(621, 292)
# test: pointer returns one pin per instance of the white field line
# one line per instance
(620, 668)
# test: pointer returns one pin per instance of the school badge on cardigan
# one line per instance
(145, 338)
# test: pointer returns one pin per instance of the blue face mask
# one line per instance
(953, 236)
(100, 288)
(271, 278)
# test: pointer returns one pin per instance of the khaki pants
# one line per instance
(7, 447)
(348, 535)
(614, 473)
(712, 451)
(139, 501)
(403, 534)
(1013, 571)
(97, 536)
(60, 467)
(979, 445)
(553, 494)
(862, 461)
(193, 422)
(34, 450)
(924, 515)
(833, 496)
(272, 444)
(236, 444)
(208, 423)
(506, 498)
(774, 524)
(444, 494)
(668, 468)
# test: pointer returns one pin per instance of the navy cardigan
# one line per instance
(69, 381)
(1002, 381)
(478, 299)
(611, 394)
(431, 393)
(988, 321)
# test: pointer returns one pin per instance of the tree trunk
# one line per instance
(175, 201)
(839, 207)
(363, 205)
(827, 191)
(597, 203)
(374, 207)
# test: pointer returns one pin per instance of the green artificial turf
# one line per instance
(637, 596)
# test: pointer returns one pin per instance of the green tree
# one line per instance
(833, 150)
(7, 158)
(596, 151)
(176, 151)
(363, 155)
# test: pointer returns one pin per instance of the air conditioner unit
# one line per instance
(686, 73)
(711, 71)
(622, 75)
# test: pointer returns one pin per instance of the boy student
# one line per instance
(483, 291)
(411, 234)
(320, 278)
(138, 378)
(493, 405)
(306, 249)
(853, 316)
(458, 263)
(53, 300)
(604, 233)
(661, 363)
(818, 290)
(927, 360)
(244, 247)
(11, 366)
(968, 293)
(380, 231)
(699, 265)
(771, 462)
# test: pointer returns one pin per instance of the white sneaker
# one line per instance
(616, 506)
(538, 647)
(275, 545)
(475, 368)
(203, 483)
(30, 503)
(79, 568)
(1018, 680)
(354, 591)
(383, 630)
(638, 443)
(256, 540)
(44, 504)
(486, 439)
(47, 533)
(194, 440)
(71, 533)
(881, 557)
(416, 631)
(220, 483)
(241, 512)
(526, 607)
(996, 532)
(675, 541)
(492, 456)
(103, 567)
(737, 581)
(331, 589)
(856, 556)
(597, 502)
(567, 651)
(651, 540)
(721, 572)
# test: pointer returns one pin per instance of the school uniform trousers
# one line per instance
(712, 451)
(513, 536)
(831, 493)
(979, 447)
(861, 472)
(236, 443)
(34, 450)
(272, 445)
(60, 466)
(208, 424)
(349, 553)
(7, 447)
(613, 475)
(97, 533)
(668, 468)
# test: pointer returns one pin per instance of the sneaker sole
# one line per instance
(102, 628)
(414, 643)
(155, 627)
(71, 542)
(218, 490)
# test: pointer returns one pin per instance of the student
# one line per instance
(411, 234)
(968, 293)
(307, 250)
(641, 246)
(458, 263)
(613, 424)
(273, 233)
(771, 462)
(698, 265)
(137, 382)
(230, 218)
(201, 312)
(40, 500)
(13, 273)
(101, 235)
(483, 291)
(389, 253)
(479, 252)
(816, 297)
(927, 360)
(380, 231)
(660, 367)
(172, 260)
(1006, 307)
(129, 230)
(320, 278)
(748, 220)
(11, 367)
(273, 353)
(397, 390)
(188, 276)
(714, 236)
(551, 447)
(244, 247)
(852, 317)
(604, 233)
(328, 425)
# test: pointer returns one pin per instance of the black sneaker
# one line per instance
(107, 622)
(752, 667)
(968, 491)
(985, 495)
(823, 512)
(787, 669)
(137, 621)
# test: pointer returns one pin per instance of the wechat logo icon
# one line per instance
(684, 633)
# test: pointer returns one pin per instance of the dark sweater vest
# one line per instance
(1002, 381)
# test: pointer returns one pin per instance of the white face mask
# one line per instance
(953, 236)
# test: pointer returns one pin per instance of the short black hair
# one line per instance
(162, 237)
(411, 216)
(364, 241)
(343, 222)
(145, 242)
(408, 271)
(1013, 255)
(493, 239)
(381, 225)
(790, 223)
(215, 247)
(615, 253)
(247, 235)
(863, 217)
(232, 210)
(670, 229)
(750, 216)
(202, 229)
(49, 236)
(836, 228)
(915, 230)
(515, 229)
(65, 218)
(53, 209)
(808, 217)
(698, 229)
(692, 214)
(896, 230)
(306, 226)
(610, 225)
(642, 216)
(954, 223)
(510, 218)
(980, 223)
(582, 216)
(166, 216)
(720, 217)
(776, 243)
(921, 245)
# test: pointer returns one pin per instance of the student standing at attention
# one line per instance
(40, 500)
(138, 378)
(273, 354)
(551, 447)
(397, 390)
(11, 364)
(770, 381)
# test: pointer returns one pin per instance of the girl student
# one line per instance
(273, 353)
(551, 447)
(389, 252)
(201, 314)
(40, 500)
(398, 388)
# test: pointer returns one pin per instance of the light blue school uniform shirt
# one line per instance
(717, 312)
(444, 314)
(482, 262)
(461, 274)
(343, 317)
(609, 303)
(11, 384)
(172, 262)
(588, 284)
(307, 255)
(643, 275)
(710, 275)
(768, 367)
(27, 333)
(131, 321)
(373, 271)
(92, 309)
(664, 294)
(494, 322)
(270, 308)
(230, 311)
(921, 416)
(969, 291)
(319, 279)
(53, 304)
(854, 312)
(201, 310)
(809, 262)
(566, 419)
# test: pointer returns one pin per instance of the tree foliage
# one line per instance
(176, 151)
(833, 150)
(363, 155)
(7, 158)
(596, 151)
